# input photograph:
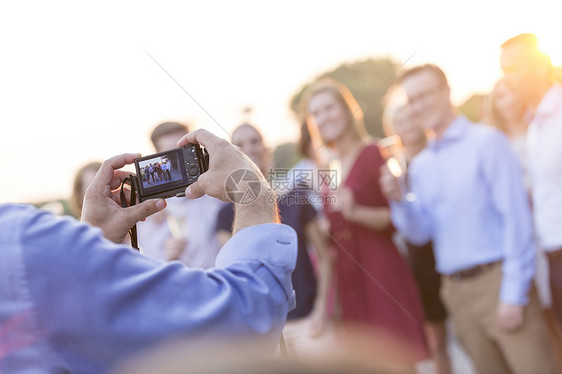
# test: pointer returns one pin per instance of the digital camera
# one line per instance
(167, 174)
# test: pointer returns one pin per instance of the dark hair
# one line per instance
(305, 140)
(167, 128)
(245, 124)
(434, 69)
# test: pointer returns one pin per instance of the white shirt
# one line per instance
(519, 145)
(196, 220)
(544, 149)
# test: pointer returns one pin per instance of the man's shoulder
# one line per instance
(550, 105)
(13, 217)
(483, 130)
(421, 160)
(16, 218)
(17, 210)
(475, 135)
(25, 223)
(486, 136)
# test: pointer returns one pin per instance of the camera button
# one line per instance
(193, 170)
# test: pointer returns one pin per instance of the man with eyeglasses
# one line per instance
(466, 195)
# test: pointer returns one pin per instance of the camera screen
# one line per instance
(157, 173)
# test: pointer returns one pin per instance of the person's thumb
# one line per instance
(194, 190)
(139, 212)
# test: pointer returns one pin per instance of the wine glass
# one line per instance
(393, 152)
(177, 221)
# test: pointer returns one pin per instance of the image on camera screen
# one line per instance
(160, 170)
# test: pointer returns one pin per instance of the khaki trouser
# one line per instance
(472, 305)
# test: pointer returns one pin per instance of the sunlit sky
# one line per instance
(77, 82)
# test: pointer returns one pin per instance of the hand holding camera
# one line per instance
(187, 170)
(223, 161)
(102, 201)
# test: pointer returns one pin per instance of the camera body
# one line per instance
(167, 174)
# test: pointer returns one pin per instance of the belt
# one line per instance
(470, 272)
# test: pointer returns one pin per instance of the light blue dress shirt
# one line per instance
(71, 301)
(469, 199)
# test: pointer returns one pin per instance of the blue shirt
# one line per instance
(72, 301)
(470, 200)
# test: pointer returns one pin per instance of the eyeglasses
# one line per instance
(424, 95)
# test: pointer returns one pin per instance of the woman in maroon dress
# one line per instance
(375, 286)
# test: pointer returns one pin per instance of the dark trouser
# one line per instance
(422, 262)
(555, 270)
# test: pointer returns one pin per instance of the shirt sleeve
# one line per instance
(408, 215)
(504, 178)
(97, 302)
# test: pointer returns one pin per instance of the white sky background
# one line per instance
(77, 84)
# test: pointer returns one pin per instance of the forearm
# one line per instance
(262, 210)
(411, 222)
(318, 239)
(325, 274)
(518, 269)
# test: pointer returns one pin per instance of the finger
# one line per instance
(198, 136)
(118, 177)
(385, 171)
(105, 174)
(507, 326)
(203, 137)
(500, 322)
(139, 212)
(117, 195)
(194, 190)
(505, 322)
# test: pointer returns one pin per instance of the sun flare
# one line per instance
(550, 44)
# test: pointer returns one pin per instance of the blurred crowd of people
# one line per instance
(442, 220)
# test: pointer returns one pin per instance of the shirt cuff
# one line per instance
(399, 215)
(513, 293)
(272, 244)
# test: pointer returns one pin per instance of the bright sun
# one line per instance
(550, 45)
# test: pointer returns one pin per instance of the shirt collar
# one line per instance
(455, 131)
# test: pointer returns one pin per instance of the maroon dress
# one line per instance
(375, 285)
